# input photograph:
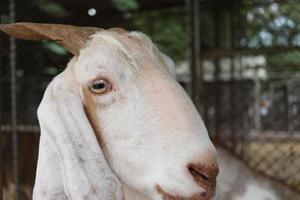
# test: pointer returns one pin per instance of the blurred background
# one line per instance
(238, 59)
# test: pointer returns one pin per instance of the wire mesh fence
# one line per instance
(251, 73)
(249, 56)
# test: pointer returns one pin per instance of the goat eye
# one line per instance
(100, 86)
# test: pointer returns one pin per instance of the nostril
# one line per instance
(204, 176)
(197, 174)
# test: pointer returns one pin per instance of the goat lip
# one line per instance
(198, 196)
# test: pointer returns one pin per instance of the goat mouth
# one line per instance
(198, 196)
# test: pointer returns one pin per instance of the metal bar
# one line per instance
(13, 57)
(286, 107)
(20, 128)
(188, 21)
(1, 137)
(240, 32)
(217, 70)
(241, 109)
(233, 102)
(196, 68)
(189, 4)
(218, 53)
(257, 94)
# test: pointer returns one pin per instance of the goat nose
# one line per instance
(205, 176)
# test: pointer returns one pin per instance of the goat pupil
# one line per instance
(100, 85)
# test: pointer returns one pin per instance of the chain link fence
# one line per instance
(250, 61)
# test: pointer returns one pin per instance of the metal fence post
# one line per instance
(217, 71)
(13, 57)
(1, 137)
(195, 45)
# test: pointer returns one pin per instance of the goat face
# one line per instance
(151, 134)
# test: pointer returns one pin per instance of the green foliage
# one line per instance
(274, 25)
(126, 5)
(284, 64)
(4, 19)
(52, 8)
(55, 48)
(166, 29)
(290, 58)
(51, 71)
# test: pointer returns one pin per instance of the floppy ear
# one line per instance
(71, 163)
(73, 38)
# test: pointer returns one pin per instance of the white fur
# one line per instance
(150, 127)
(71, 164)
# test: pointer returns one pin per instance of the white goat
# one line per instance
(115, 124)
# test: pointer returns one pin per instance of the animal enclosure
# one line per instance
(239, 60)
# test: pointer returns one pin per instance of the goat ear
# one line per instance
(73, 38)
(64, 124)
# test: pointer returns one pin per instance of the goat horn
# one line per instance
(73, 38)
